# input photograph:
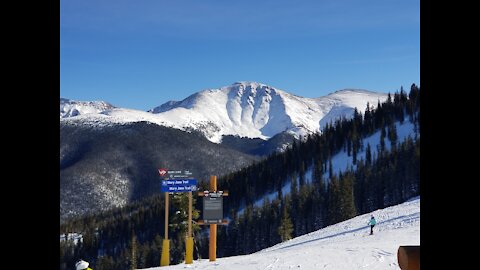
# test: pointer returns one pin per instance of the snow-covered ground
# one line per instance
(343, 246)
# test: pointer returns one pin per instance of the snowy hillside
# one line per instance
(70, 108)
(343, 246)
(341, 161)
(244, 109)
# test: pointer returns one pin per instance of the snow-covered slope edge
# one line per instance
(344, 246)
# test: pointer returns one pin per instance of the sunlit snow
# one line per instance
(344, 246)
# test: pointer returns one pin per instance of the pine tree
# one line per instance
(368, 155)
(392, 135)
(330, 168)
(334, 205)
(347, 197)
(286, 227)
(133, 252)
(382, 139)
(295, 204)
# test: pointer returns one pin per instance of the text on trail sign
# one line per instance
(212, 209)
(175, 174)
(179, 185)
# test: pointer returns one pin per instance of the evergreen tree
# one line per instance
(383, 133)
(286, 227)
(368, 155)
(133, 252)
(392, 135)
(330, 168)
(347, 197)
(334, 204)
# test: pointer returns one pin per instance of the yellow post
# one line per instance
(189, 243)
(165, 259)
(189, 251)
(212, 252)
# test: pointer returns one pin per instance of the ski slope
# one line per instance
(343, 246)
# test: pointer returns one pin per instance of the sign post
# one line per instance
(212, 251)
(189, 240)
(165, 258)
(177, 181)
(213, 214)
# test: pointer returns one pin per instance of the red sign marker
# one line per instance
(162, 172)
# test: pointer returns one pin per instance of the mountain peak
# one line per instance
(249, 83)
(70, 108)
(354, 90)
(257, 110)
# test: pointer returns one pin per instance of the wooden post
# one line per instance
(189, 214)
(165, 257)
(189, 240)
(212, 254)
(409, 257)
(166, 215)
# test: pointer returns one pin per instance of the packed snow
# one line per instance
(343, 246)
(244, 109)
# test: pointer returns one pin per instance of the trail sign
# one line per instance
(177, 181)
(213, 208)
(175, 174)
(179, 185)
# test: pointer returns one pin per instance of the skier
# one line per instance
(372, 223)
(82, 265)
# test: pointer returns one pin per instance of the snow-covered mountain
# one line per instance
(244, 109)
(70, 108)
(343, 246)
(256, 110)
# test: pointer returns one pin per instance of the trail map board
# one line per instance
(213, 209)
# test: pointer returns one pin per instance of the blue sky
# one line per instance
(141, 53)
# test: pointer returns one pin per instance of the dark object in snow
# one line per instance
(409, 257)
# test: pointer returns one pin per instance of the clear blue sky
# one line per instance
(139, 54)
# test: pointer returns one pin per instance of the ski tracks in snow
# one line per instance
(272, 265)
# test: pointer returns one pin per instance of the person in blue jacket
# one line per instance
(372, 223)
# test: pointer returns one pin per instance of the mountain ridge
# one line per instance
(244, 109)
